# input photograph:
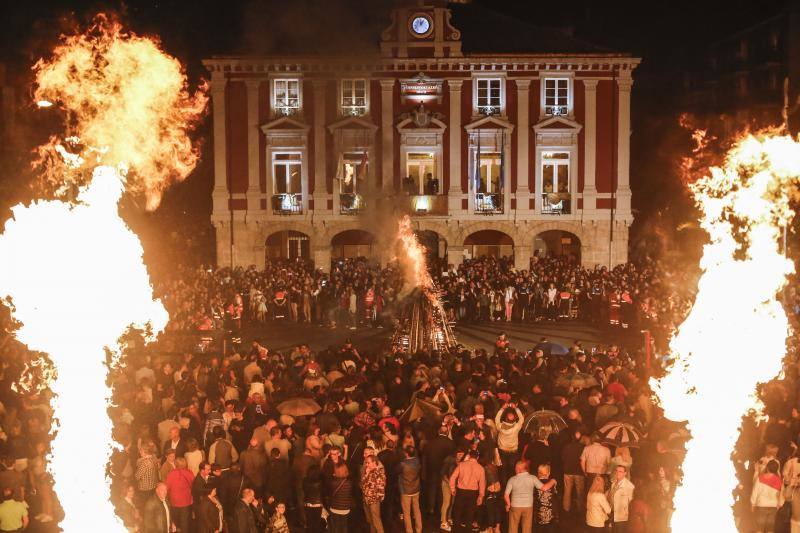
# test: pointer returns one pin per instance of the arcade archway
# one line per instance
(352, 243)
(287, 244)
(489, 243)
(557, 243)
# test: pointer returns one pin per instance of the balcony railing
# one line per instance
(488, 203)
(351, 203)
(428, 204)
(556, 203)
(287, 204)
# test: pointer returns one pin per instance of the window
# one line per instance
(286, 96)
(286, 171)
(490, 181)
(556, 197)
(354, 97)
(489, 95)
(352, 172)
(421, 174)
(556, 96)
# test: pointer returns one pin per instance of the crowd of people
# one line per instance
(518, 438)
(358, 293)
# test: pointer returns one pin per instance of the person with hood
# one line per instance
(509, 422)
(409, 478)
(767, 497)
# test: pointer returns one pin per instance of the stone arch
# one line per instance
(352, 242)
(287, 244)
(489, 242)
(543, 237)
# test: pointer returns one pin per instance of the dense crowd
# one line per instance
(359, 293)
(516, 438)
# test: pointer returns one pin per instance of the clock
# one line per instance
(421, 25)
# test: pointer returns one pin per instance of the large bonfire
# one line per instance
(735, 334)
(73, 270)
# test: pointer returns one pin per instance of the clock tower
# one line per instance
(421, 29)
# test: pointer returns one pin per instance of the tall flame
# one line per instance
(416, 267)
(75, 272)
(735, 335)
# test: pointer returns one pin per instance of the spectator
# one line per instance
(157, 517)
(620, 496)
(410, 478)
(373, 487)
(597, 507)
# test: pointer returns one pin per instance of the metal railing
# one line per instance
(556, 203)
(351, 203)
(287, 203)
(488, 203)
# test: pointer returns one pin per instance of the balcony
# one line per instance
(351, 203)
(488, 203)
(287, 204)
(556, 203)
(428, 204)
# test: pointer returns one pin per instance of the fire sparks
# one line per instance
(730, 342)
(75, 272)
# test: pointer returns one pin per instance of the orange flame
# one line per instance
(416, 270)
(128, 105)
(730, 343)
(128, 109)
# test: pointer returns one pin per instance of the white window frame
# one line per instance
(279, 107)
(435, 164)
(476, 108)
(572, 150)
(356, 164)
(287, 163)
(489, 168)
(347, 110)
(543, 95)
(557, 163)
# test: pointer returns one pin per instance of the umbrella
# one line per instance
(619, 434)
(577, 380)
(420, 408)
(543, 423)
(552, 348)
(299, 407)
(348, 383)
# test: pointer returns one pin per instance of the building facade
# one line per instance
(490, 152)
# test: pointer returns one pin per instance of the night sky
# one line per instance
(668, 35)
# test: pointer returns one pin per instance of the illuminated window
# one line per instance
(490, 178)
(286, 96)
(489, 92)
(556, 96)
(286, 172)
(421, 174)
(354, 97)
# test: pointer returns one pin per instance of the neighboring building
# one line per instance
(497, 137)
(752, 77)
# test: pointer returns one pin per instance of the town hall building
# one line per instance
(514, 145)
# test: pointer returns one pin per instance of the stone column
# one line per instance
(455, 255)
(387, 134)
(590, 151)
(321, 192)
(322, 258)
(220, 192)
(523, 192)
(623, 192)
(454, 192)
(253, 175)
(522, 257)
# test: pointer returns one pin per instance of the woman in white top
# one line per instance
(791, 491)
(194, 456)
(622, 457)
(597, 506)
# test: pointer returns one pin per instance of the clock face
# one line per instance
(421, 25)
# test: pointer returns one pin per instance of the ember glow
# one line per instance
(727, 345)
(74, 271)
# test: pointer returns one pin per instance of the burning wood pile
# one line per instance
(422, 321)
